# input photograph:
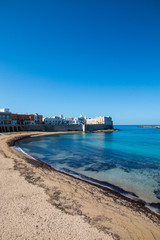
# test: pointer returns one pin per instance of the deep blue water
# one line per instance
(129, 158)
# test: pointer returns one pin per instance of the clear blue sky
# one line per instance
(81, 57)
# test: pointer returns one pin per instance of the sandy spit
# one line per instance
(38, 202)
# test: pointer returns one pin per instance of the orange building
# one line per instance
(25, 119)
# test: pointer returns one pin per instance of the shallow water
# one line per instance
(128, 159)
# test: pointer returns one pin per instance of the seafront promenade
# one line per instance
(51, 206)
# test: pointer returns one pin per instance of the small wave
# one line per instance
(22, 151)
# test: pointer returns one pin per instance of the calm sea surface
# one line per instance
(128, 159)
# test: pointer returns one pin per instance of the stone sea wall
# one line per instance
(96, 127)
(54, 128)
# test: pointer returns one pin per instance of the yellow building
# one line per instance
(104, 120)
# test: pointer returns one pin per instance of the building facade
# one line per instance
(68, 120)
(54, 120)
(100, 120)
(38, 119)
(26, 119)
(5, 116)
(104, 120)
(90, 121)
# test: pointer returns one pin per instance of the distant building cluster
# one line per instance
(58, 120)
(6, 117)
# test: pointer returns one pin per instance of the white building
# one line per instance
(54, 120)
(68, 120)
(90, 121)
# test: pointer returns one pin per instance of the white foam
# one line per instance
(22, 151)
(153, 209)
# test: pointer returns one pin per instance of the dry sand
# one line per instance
(38, 202)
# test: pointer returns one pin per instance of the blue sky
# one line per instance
(81, 57)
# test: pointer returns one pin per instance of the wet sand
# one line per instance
(39, 202)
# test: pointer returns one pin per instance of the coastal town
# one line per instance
(16, 122)
(79, 120)
(53, 203)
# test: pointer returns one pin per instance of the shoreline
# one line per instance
(91, 190)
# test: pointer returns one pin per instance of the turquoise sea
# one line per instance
(127, 161)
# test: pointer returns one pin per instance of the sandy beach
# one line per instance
(38, 202)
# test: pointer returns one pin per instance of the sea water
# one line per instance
(127, 160)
